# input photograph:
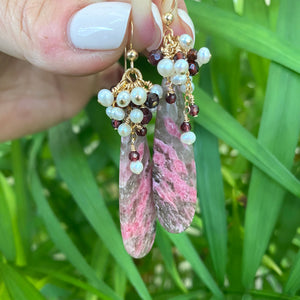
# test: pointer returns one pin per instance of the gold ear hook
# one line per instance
(131, 54)
(169, 16)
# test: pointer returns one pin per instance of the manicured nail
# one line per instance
(159, 32)
(187, 20)
(100, 26)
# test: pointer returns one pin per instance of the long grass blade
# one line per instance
(245, 34)
(57, 234)
(279, 131)
(215, 119)
(73, 168)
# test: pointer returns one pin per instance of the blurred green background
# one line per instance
(59, 226)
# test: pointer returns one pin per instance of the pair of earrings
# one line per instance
(167, 188)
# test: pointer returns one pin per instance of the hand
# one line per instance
(49, 48)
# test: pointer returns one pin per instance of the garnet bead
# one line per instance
(152, 100)
(192, 55)
(194, 110)
(115, 123)
(142, 131)
(185, 126)
(134, 156)
(147, 115)
(179, 55)
(171, 98)
(193, 68)
(155, 57)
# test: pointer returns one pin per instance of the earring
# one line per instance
(174, 169)
(129, 106)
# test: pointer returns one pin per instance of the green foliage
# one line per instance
(59, 224)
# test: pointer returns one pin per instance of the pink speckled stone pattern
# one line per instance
(137, 210)
(174, 170)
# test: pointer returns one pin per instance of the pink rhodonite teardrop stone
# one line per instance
(174, 169)
(137, 210)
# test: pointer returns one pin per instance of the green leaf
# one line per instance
(19, 288)
(215, 119)
(7, 243)
(57, 234)
(73, 168)
(244, 34)
(279, 131)
(186, 248)
(165, 248)
(211, 197)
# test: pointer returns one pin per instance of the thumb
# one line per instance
(74, 37)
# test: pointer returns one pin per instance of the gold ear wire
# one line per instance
(131, 54)
(169, 16)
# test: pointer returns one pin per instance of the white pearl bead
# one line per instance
(158, 90)
(179, 79)
(165, 67)
(118, 113)
(188, 138)
(123, 99)
(138, 96)
(186, 41)
(124, 129)
(183, 88)
(109, 112)
(203, 56)
(136, 116)
(181, 66)
(136, 167)
(105, 97)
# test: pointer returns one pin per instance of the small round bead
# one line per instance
(179, 79)
(124, 130)
(178, 55)
(136, 116)
(155, 56)
(136, 167)
(171, 98)
(203, 56)
(123, 99)
(186, 41)
(181, 66)
(138, 95)
(188, 138)
(118, 113)
(194, 110)
(142, 131)
(115, 123)
(134, 156)
(165, 67)
(109, 111)
(158, 90)
(132, 55)
(105, 97)
(147, 115)
(192, 55)
(152, 100)
(168, 18)
(193, 68)
(183, 88)
(186, 126)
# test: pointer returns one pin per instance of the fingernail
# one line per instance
(100, 26)
(159, 31)
(187, 20)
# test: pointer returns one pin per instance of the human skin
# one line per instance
(44, 80)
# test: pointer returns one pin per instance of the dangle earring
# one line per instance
(129, 106)
(174, 169)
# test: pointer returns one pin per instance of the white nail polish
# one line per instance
(158, 21)
(187, 19)
(100, 26)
